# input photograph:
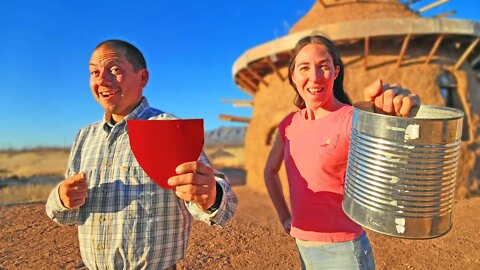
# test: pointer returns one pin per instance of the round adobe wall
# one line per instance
(275, 101)
(272, 104)
(468, 176)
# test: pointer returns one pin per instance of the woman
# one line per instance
(313, 142)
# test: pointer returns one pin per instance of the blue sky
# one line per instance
(190, 47)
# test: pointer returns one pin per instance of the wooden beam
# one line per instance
(233, 118)
(247, 80)
(274, 68)
(288, 53)
(239, 102)
(446, 14)
(432, 5)
(245, 87)
(404, 49)
(434, 48)
(365, 53)
(258, 77)
(322, 3)
(466, 54)
(410, 2)
(242, 84)
(476, 61)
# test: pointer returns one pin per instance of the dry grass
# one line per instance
(40, 168)
(25, 193)
(25, 163)
(225, 156)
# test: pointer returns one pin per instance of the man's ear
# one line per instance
(144, 76)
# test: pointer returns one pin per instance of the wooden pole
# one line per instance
(247, 80)
(365, 53)
(466, 53)
(404, 49)
(258, 77)
(322, 3)
(432, 5)
(232, 118)
(245, 87)
(411, 2)
(446, 14)
(239, 102)
(274, 68)
(434, 48)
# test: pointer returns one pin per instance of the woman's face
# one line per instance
(314, 74)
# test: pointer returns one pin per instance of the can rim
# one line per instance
(418, 113)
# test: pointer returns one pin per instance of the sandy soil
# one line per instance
(252, 240)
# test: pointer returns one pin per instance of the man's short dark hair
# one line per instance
(133, 55)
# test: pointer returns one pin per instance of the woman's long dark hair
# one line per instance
(338, 90)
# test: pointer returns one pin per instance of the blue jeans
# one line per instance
(355, 254)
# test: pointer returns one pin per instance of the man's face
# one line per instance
(114, 83)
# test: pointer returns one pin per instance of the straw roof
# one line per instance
(337, 11)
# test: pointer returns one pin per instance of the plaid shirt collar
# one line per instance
(137, 113)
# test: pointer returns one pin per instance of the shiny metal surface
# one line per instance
(401, 172)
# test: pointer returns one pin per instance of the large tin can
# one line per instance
(401, 172)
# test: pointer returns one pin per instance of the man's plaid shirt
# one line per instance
(128, 221)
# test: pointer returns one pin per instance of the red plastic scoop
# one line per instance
(161, 145)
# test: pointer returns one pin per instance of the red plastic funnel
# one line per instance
(161, 145)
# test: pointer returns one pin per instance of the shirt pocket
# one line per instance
(329, 142)
(138, 191)
(147, 199)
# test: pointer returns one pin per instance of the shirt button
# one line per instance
(108, 164)
(100, 247)
(102, 219)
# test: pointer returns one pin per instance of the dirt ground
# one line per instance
(252, 240)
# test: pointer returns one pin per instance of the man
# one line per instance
(126, 221)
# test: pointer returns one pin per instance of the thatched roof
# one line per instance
(339, 11)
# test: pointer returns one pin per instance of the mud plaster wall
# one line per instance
(468, 180)
(275, 101)
(272, 104)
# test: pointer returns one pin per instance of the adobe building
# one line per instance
(436, 57)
